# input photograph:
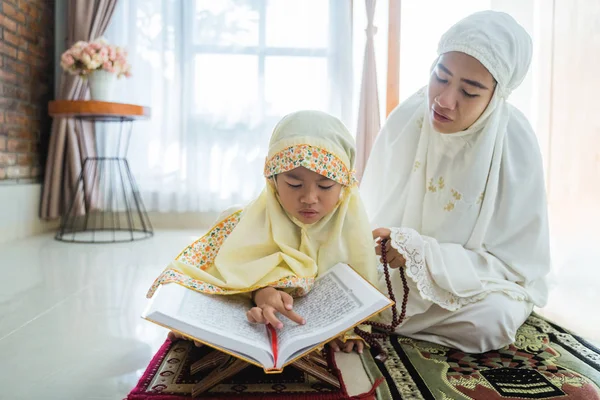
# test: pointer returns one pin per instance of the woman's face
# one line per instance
(460, 89)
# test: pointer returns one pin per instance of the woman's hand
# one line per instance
(268, 301)
(394, 259)
(351, 344)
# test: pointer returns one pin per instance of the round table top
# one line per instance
(97, 110)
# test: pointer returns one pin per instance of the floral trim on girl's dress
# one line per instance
(173, 275)
(302, 285)
(203, 251)
(314, 158)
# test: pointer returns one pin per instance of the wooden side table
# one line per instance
(106, 205)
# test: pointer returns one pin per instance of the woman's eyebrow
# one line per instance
(474, 83)
(467, 81)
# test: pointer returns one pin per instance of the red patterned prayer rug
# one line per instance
(545, 362)
(168, 378)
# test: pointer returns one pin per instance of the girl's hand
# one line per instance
(351, 344)
(394, 259)
(269, 301)
(176, 336)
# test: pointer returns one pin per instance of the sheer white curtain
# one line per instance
(218, 75)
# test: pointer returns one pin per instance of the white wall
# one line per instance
(19, 212)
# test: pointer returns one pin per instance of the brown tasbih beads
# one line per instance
(371, 337)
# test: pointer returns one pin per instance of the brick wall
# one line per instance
(26, 86)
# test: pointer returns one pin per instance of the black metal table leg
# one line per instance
(106, 205)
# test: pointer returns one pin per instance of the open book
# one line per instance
(340, 300)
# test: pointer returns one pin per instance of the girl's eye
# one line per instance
(294, 186)
(326, 187)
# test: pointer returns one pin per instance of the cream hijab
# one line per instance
(263, 245)
(470, 207)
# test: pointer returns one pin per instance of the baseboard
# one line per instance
(19, 215)
(188, 220)
(19, 212)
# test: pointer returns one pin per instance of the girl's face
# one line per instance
(460, 89)
(307, 195)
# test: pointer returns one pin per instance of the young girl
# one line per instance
(308, 218)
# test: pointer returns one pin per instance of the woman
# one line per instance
(455, 181)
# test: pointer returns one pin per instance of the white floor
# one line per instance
(69, 316)
(69, 313)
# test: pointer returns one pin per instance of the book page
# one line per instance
(329, 302)
(225, 315)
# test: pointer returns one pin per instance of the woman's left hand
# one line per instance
(394, 258)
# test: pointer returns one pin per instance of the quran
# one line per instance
(339, 300)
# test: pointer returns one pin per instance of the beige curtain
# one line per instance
(564, 104)
(86, 20)
(368, 112)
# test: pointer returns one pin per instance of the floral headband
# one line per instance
(314, 158)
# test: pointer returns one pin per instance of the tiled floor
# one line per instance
(70, 325)
(69, 313)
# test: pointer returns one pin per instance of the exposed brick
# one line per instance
(18, 146)
(40, 51)
(35, 147)
(15, 40)
(18, 172)
(26, 85)
(39, 92)
(27, 109)
(7, 49)
(34, 124)
(26, 134)
(17, 66)
(6, 76)
(8, 104)
(26, 159)
(14, 92)
(8, 23)
(27, 57)
(29, 32)
(13, 118)
(13, 12)
(7, 159)
(29, 9)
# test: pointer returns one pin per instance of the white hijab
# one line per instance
(467, 210)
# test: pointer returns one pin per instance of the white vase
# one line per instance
(101, 85)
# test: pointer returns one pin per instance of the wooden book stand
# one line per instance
(225, 366)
